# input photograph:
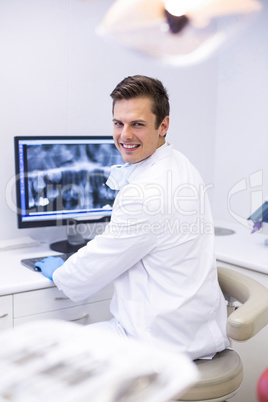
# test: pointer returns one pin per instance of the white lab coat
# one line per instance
(158, 249)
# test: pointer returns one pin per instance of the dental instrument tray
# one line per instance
(50, 360)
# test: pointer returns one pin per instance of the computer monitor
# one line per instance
(61, 180)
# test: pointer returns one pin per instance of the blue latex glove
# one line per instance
(48, 265)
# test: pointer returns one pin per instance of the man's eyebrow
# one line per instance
(133, 121)
(138, 121)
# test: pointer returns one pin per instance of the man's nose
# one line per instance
(126, 133)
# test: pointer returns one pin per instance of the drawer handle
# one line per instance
(4, 315)
(61, 298)
(80, 318)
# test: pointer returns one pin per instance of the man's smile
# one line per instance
(129, 146)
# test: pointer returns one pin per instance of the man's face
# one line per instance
(134, 131)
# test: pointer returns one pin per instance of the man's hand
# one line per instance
(49, 265)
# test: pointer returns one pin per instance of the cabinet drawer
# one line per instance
(51, 299)
(6, 317)
(84, 315)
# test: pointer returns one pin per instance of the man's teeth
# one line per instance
(129, 146)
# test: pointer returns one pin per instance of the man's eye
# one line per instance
(118, 124)
(138, 125)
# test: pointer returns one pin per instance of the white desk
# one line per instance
(17, 278)
(242, 248)
(27, 295)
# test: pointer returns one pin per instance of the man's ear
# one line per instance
(164, 126)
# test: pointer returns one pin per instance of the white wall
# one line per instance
(56, 77)
(242, 123)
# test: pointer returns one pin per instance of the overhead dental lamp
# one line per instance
(176, 32)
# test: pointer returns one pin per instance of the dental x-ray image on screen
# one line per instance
(61, 178)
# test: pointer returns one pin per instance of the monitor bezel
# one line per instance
(50, 222)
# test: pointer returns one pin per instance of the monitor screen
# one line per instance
(63, 177)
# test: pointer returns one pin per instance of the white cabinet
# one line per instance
(26, 295)
(84, 314)
(51, 303)
(6, 312)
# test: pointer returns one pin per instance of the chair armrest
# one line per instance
(252, 316)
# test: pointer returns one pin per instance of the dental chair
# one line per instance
(221, 377)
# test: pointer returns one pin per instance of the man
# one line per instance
(158, 248)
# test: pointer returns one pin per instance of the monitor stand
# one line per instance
(63, 246)
(73, 242)
(74, 239)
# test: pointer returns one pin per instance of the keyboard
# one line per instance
(30, 262)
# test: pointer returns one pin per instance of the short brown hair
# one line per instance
(141, 86)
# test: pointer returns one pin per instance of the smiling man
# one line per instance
(158, 248)
(136, 134)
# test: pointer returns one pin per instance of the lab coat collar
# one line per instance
(119, 176)
(162, 152)
(122, 174)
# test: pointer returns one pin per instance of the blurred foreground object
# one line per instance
(260, 219)
(176, 32)
(60, 361)
(262, 387)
